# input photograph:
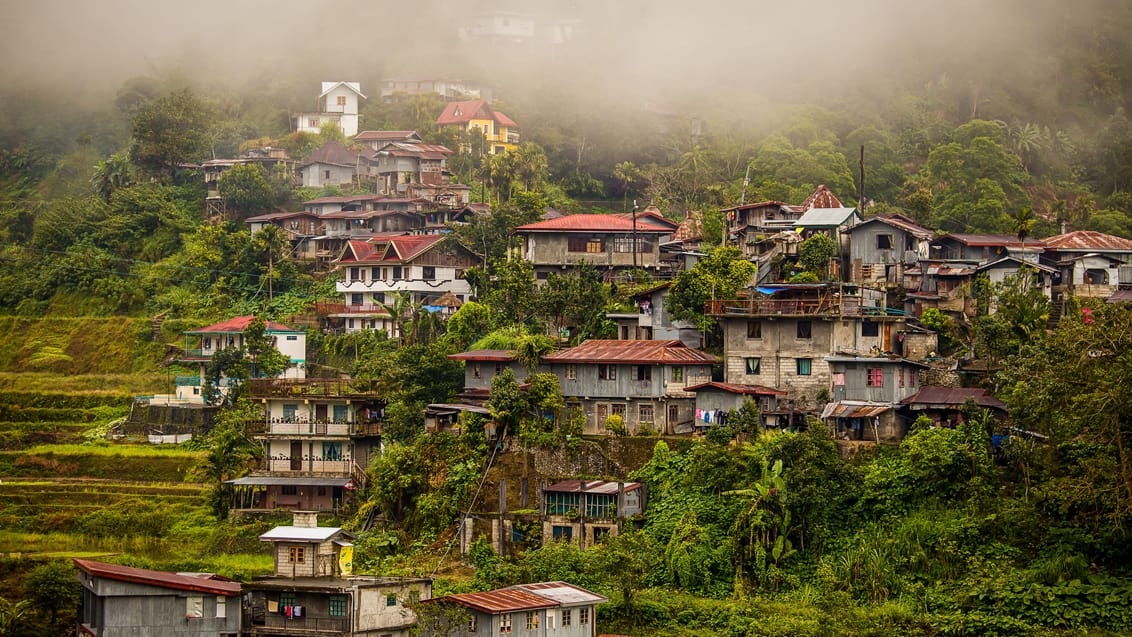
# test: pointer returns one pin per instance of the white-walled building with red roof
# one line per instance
(204, 343)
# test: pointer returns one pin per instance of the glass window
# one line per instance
(296, 554)
(292, 338)
(289, 412)
(341, 413)
(644, 372)
(331, 451)
(505, 623)
(870, 328)
(754, 329)
(677, 374)
(600, 505)
(585, 244)
(428, 272)
(583, 616)
(876, 377)
(472, 624)
(754, 363)
(286, 599)
(571, 372)
(532, 620)
(607, 372)
(804, 366)
(390, 600)
(645, 413)
(289, 489)
(618, 409)
(567, 616)
(805, 329)
(337, 605)
(221, 607)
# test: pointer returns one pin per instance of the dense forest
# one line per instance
(747, 532)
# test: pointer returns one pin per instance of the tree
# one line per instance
(722, 274)
(629, 559)
(171, 130)
(111, 174)
(246, 191)
(816, 252)
(52, 587)
(507, 402)
(231, 453)
(574, 300)
(266, 360)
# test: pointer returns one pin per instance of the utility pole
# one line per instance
(747, 182)
(861, 190)
(634, 234)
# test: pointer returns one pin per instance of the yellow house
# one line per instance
(501, 132)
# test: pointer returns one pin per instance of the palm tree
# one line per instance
(110, 175)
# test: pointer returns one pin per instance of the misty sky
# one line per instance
(641, 46)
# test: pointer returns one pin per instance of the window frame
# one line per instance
(758, 364)
(336, 603)
(571, 372)
(296, 555)
(532, 620)
(754, 330)
(891, 241)
(805, 329)
(504, 623)
(642, 410)
(804, 366)
(874, 328)
(606, 371)
(874, 376)
(677, 374)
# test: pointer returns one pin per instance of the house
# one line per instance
(780, 336)
(500, 133)
(944, 405)
(318, 438)
(314, 592)
(586, 511)
(202, 344)
(372, 273)
(332, 164)
(418, 170)
(545, 608)
(945, 285)
(652, 320)
(1090, 264)
(448, 89)
(866, 392)
(834, 222)
(643, 382)
(610, 242)
(338, 104)
(267, 157)
(123, 601)
(375, 139)
(302, 230)
(716, 400)
(984, 248)
(480, 367)
(1042, 276)
(886, 249)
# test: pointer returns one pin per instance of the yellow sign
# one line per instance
(346, 560)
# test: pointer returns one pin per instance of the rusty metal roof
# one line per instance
(1088, 240)
(500, 355)
(954, 397)
(822, 197)
(1004, 240)
(900, 222)
(738, 388)
(199, 583)
(503, 600)
(587, 222)
(238, 324)
(634, 352)
(591, 486)
(564, 593)
(854, 409)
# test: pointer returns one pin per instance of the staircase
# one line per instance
(155, 324)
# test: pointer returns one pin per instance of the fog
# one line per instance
(665, 49)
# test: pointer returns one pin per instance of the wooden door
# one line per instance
(602, 415)
(673, 417)
(296, 455)
(320, 413)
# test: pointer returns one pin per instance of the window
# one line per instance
(313, 123)
(341, 101)
(562, 532)
(337, 605)
(341, 413)
(289, 412)
(356, 298)
(600, 505)
(194, 607)
(625, 244)
(617, 409)
(390, 600)
(331, 451)
(558, 503)
(884, 242)
(839, 379)
(505, 623)
(550, 619)
(900, 377)
(754, 329)
(677, 374)
(428, 273)
(292, 338)
(396, 273)
(804, 366)
(585, 244)
(472, 624)
(607, 372)
(289, 489)
(286, 599)
(876, 377)
(571, 372)
(326, 174)
(583, 616)
(644, 372)
(296, 554)
(870, 328)
(644, 413)
(567, 616)
(221, 607)
(207, 342)
(805, 329)
(754, 363)
(532, 620)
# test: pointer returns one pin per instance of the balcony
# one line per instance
(333, 309)
(301, 387)
(307, 467)
(831, 307)
(301, 427)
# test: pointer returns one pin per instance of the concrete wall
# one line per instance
(375, 613)
(543, 248)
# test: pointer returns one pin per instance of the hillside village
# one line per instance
(415, 355)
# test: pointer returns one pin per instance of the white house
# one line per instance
(338, 103)
(229, 334)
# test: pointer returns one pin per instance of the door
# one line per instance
(296, 455)
(673, 417)
(602, 415)
(320, 413)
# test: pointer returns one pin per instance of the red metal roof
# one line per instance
(466, 111)
(498, 355)
(1088, 240)
(823, 197)
(239, 324)
(204, 583)
(592, 223)
(503, 600)
(738, 388)
(637, 352)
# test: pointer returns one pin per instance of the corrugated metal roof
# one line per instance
(634, 352)
(990, 240)
(738, 388)
(954, 397)
(900, 222)
(822, 197)
(1120, 296)
(300, 533)
(854, 409)
(238, 324)
(591, 486)
(826, 217)
(1004, 261)
(276, 481)
(588, 222)
(564, 593)
(501, 355)
(199, 583)
(333, 153)
(384, 135)
(503, 600)
(1089, 240)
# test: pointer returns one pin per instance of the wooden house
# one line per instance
(585, 511)
(865, 394)
(525, 610)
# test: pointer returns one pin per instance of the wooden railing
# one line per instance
(848, 306)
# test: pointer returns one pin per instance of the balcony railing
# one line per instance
(305, 466)
(327, 309)
(849, 306)
(300, 387)
(282, 426)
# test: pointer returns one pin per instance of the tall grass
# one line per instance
(119, 450)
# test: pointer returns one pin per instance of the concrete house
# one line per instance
(780, 336)
(526, 610)
(643, 382)
(652, 320)
(122, 601)
(586, 511)
(866, 392)
(315, 593)
(375, 272)
(1090, 264)
(337, 103)
(332, 164)
(886, 250)
(318, 438)
(612, 243)
(202, 344)
(500, 133)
